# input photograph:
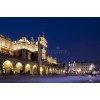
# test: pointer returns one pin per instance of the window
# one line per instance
(29, 56)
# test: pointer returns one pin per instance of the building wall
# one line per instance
(22, 53)
(82, 67)
(45, 69)
(8, 45)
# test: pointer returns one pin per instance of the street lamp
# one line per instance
(91, 67)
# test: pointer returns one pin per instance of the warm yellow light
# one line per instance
(50, 69)
(8, 62)
(19, 64)
(34, 66)
(27, 65)
(36, 49)
(64, 71)
(79, 70)
(41, 69)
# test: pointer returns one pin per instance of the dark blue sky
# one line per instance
(80, 37)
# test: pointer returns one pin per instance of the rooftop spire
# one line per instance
(39, 35)
(32, 39)
(24, 35)
(43, 34)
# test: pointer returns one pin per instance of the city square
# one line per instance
(49, 49)
(28, 57)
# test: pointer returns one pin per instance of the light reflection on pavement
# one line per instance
(50, 79)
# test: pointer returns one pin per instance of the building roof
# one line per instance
(24, 40)
(1, 35)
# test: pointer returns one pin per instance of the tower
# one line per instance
(39, 55)
(42, 55)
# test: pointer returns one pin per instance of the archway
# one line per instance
(19, 68)
(43, 70)
(47, 71)
(50, 71)
(53, 70)
(27, 69)
(34, 70)
(59, 71)
(7, 67)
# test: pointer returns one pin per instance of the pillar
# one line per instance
(39, 55)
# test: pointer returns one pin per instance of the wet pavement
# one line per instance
(50, 79)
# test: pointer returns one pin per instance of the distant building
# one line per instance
(81, 67)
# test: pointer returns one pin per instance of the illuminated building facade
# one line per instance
(26, 57)
(81, 67)
(51, 60)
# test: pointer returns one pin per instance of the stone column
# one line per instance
(39, 55)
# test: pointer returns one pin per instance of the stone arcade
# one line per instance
(27, 57)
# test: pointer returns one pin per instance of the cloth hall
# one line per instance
(22, 57)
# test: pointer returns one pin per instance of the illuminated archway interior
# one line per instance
(7, 67)
(34, 69)
(50, 70)
(27, 69)
(42, 70)
(19, 68)
(47, 71)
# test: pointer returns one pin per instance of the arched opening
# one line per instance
(50, 70)
(34, 70)
(19, 68)
(27, 69)
(47, 71)
(7, 67)
(42, 70)
(59, 71)
(53, 71)
(64, 71)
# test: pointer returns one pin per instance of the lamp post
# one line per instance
(91, 68)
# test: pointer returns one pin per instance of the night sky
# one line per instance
(69, 39)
